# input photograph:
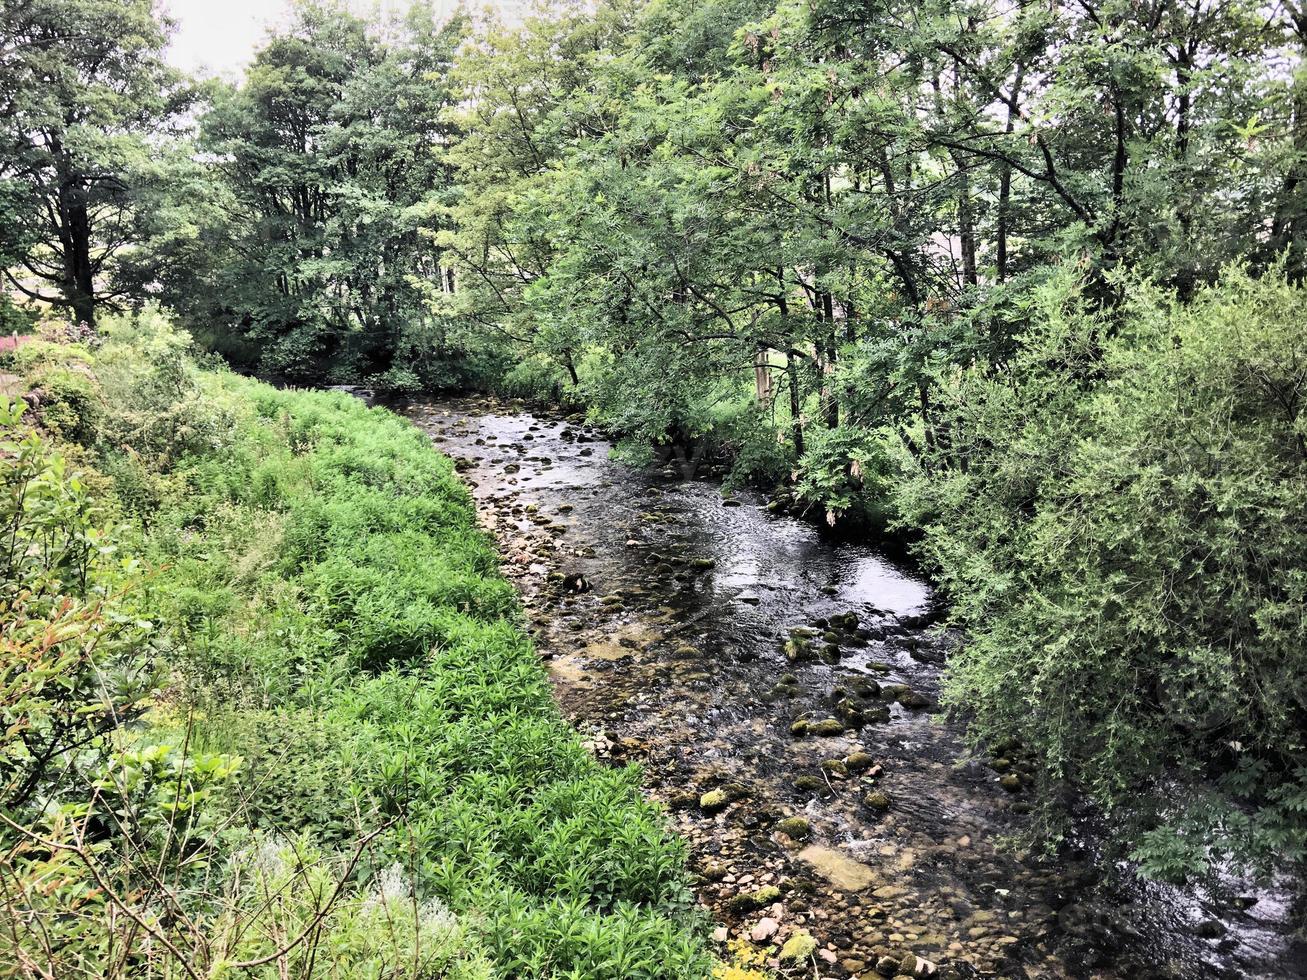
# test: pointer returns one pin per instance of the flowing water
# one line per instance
(689, 631)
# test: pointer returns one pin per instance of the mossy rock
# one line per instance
(799, 947)
(796, 650)
(800, 728)
(835, 767)
(703, 563)
(713, 871)
(914, 700)
(787, 679)
(797, 828)
(849, 713)
(827, 726)
(754, 900)
(714, 801)
(808, 784)
(877, 801)
(858, 761)
(1010, 782)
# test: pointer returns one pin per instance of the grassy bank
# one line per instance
(289, 719)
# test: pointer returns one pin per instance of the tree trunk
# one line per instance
(830, 404)
(966, 227)
(1005, 180)
(796, 404)
(761, 377)
(78, 284)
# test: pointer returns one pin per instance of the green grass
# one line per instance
(332, 615)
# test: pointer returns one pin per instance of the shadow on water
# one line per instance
(761, 671)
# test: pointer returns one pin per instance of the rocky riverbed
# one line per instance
(780, 692)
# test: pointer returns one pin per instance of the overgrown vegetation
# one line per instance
(268, 709)
(1123, 536)
(1021, 281)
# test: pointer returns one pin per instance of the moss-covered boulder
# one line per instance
(797, 828)
(876, 801)
(752, 901)
(799, 947)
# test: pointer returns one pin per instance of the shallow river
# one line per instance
(689, 631)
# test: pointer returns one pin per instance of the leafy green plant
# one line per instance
(1124, 541)
(331, 616)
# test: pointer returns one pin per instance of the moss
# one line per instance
(835, 767)
(798, 947)
(795, 827)
(876, 800)
(859, 761)
(754, 900)
(827, 726)
(714, 801)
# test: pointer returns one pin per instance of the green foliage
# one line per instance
(75, 663)
(1118, 522)
(357, 717)
(86, 94)
(327, 164)
(849, 470)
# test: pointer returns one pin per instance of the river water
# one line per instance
(689, 631)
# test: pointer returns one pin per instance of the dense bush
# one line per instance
(1121, 523)
(349, 714)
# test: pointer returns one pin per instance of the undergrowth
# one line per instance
(300, 730)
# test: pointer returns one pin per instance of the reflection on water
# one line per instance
(697, 634)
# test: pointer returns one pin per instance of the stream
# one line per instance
(690, 631)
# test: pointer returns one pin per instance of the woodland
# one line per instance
(1017, 284)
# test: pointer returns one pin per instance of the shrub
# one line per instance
(849, 473)
(1122, 525)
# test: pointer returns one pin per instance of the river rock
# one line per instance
(797, 828)
(764, 930)
(876, 801)
(887, 966)
(752, 901)
(798, 947)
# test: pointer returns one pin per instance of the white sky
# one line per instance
(220, 36)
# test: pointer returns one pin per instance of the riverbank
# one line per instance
(336, 649)
(698, 633)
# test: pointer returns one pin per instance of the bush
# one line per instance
(1122, 526)
(849, 473)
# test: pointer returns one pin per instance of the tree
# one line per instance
(329, 153)
(84, 96)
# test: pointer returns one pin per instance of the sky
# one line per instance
(220, 36)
